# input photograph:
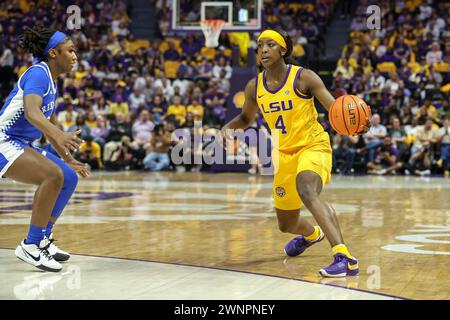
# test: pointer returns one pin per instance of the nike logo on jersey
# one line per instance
(259, 97)
(37, 259)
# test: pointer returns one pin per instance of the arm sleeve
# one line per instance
(35, 81)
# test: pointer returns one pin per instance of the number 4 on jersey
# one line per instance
(279, 124)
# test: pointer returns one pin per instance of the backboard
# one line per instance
(239, 15)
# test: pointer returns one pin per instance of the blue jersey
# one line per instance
(13, 124)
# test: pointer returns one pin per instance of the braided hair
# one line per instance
(34, 40)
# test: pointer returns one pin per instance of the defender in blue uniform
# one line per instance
(29, 112)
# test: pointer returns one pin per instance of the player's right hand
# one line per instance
(69, 140)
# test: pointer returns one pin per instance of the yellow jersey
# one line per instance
(290, 115)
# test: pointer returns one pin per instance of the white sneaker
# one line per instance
(57, 253)
(38, 256)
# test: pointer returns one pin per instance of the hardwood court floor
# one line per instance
(398, 228)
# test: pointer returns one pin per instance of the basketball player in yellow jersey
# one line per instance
(284, 93)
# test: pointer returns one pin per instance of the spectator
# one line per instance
(374, 137)
(62, 116)
(435, 55)
(343, 155)
(118, 129)
(386, 159)
(90, 153)
(119, 102)
(177, 109)
(196, 109)
(101, 131)
(80, 124)
(398, 135)
(158, 158)
(444, 139)
(421, 151)
(136, 100)
(171, 54)
(142, 129)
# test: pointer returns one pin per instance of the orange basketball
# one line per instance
(348, 113)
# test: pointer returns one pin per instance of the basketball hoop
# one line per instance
(211, 29)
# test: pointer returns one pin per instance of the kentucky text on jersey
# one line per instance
(13, 124)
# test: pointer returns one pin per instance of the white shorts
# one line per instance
(10, 150)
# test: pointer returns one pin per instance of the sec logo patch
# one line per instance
(280, 192)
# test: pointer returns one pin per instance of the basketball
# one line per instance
(348, 113)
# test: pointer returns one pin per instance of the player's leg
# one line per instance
(288, 204)
(68, 188)
(290, 221)
(32, 167)
(309, 185)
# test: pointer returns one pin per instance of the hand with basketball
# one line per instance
(350, 115)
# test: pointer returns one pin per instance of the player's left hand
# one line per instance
(82, 169)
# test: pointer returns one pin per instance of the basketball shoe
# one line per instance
(342, 266)
(57, 253)
(299, 244)
(38, 256)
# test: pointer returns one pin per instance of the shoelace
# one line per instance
(45, 252)
(339, 258)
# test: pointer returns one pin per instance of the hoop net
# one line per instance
(211, 29)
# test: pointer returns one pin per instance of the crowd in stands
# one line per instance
(402, 71)
(126, 95)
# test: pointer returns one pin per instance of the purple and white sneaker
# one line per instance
(341, 267)
(299, 244)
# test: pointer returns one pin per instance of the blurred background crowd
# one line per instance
(128, 95)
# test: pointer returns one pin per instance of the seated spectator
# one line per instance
(177, 109)
(443, 112)
(190, 45)
(90, 153)
(119, 128)
(171, 54)
(142, 129)
(91, 120)
(343, 155)
(196, 109)
(429, 108)
(186, 69)
(205, 70)
(119, 102)
(136, 100)
(345, 69)
(101, 131)
(80, 124)
(222, 66)
(444, 139)
(69, 108)
(386, 158)
(68, 122)
(398, 135)
(421, 150)
(165, 85)
(374, 137)
(435, 55)
(158, 158)
(123, 157)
